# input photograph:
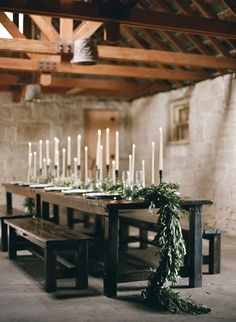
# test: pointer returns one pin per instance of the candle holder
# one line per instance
(40, 172)
(55, 171)
(68, 171)
(160, 175)
(48, 172)
(117, 175)
(78, 172)
(108, 170)
(98, 179)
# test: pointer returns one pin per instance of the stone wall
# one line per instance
(206, 166)
(55, 115)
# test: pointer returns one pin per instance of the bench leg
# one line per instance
(50, 268)
(214, 254)
(4, 237)
(56, 214)
(12, 244)
(70, 218)
(81, 264)
(143, 235)
(123, 235)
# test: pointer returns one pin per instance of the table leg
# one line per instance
(38, 205)
(56, 214)
(12, 247)
(50, 268)
(45, 212)
(195, 247)
(9, 201)
(111, 255)
(70, 218)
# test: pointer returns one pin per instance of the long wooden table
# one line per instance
(110, 210)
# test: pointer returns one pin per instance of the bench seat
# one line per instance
(46, 240)
(8, 213)
(146, 222)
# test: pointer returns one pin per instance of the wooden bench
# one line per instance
(46, 240)
(147, 223)
(5, 214)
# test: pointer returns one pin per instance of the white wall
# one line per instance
(206, 167)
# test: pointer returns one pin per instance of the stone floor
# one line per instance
(23, 299)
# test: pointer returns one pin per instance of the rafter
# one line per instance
(15, 33)
(86, 29)
(44, 24)
(137, 17)
(230, 6)
(126, 54)
(66, 30)
(105, 70)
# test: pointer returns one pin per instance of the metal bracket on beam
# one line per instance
(47, 66)
(64, 47)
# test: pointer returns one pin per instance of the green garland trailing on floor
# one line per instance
(170, 243)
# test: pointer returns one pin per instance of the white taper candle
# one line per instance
(107, 147)
(75, 167)
(40, 154)
(117, 151)
(78, 150)
(101, 162)
(161, 150)
(63, 162)
(133, 164)
(47, 151)
(98, 149)
(29, 153)
(113, 171)
(153, 163)
(69, 151)
(86, 164)
(143, 172)
(35, 164)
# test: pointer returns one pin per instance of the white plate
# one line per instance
(75, 191)
(41, 185)
(102, 195)
(57, 188)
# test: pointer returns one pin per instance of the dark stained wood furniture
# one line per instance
(46, 239)
(146, 223)
(5, 214)
(110, 210)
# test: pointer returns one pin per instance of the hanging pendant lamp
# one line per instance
(85, 51)
(33, 93)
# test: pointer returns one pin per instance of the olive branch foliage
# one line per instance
(171, 247)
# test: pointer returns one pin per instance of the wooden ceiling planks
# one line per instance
(178, 23)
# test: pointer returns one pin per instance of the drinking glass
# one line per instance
(127, 186)
(139, 179)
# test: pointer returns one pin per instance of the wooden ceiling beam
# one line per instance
(66, 82)
(105, 70)
(125, 54)
(86, 29)
(204, 10)
(66, 30)
(166, 57)
(45, 25)
(140, 18)
(15, 33)
(230, 6)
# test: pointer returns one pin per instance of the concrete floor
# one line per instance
(23, 299)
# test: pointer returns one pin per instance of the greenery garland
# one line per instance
(170, 243)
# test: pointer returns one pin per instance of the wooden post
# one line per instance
(70, 218)
(195, 246)
(111, 261)
(12, 247)
(56, 214)
(9, 201)
(50, 268)
(81, 264)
